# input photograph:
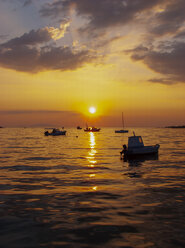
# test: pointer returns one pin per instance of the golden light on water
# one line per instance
(92, 140)
(92, 175)
(91, 154)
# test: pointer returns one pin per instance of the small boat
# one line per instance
(92, 129)
(137, 148)
(122, 130)
(78, 127)
(55, 132)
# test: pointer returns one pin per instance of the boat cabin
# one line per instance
(135, 141)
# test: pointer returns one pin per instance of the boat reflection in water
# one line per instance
(136, 165)
(91, 156)
(139, 160)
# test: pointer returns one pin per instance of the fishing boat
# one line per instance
(122, 130)
(137, 148)
(92, 129)
(55, 132)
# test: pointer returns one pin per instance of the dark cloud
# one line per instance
(56, 9)
(168, 61)
(138, 53)
(180, 35)
(31, 53)
(161, 16)
(100, 14)
(170, 19)
(31, 38)
(27, 2)
(24, 3)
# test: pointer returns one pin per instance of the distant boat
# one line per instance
(122, 130)
(137, 148)
(55, 132)
(78, 127)
(92, 129)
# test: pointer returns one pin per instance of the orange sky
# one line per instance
(130, 62)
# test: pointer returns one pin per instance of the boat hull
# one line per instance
(55, 134)
(97, 130)
(121, 131)
(92, 129)
(146, 150)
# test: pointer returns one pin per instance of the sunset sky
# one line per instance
(60, 57)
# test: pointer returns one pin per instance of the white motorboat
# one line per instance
(136, 147)
(55, 132)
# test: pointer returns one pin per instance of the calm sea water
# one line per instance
(75, 191)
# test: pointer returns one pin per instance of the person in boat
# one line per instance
(54, 130)
(124, 150)
(46, 133)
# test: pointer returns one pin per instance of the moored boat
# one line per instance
(137, 148)
(92, 129)
(122, 130)
(55, 132)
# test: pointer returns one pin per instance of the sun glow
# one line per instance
(92, 110)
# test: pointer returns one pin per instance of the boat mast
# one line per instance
(122, 121)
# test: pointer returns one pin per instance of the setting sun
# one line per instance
(92, 110)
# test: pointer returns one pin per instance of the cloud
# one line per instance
(99, 14)
(168, 60)
(180, 35)
(27, 2)
(162, 81)
(170, 19)
(58, 33)
(153, 22)
(39, 36)
(32, 53)
(3, 37)
(17, 112)
(32, 38)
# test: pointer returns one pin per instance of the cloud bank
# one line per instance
(32, 52)
(160, 19)
(99, 14)
(168, 61)
(159, 24)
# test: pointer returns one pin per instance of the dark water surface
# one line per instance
(70, 191)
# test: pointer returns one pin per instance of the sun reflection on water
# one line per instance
(92, 140)
(91, 157)
(91, 154)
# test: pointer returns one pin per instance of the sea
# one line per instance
(75, 190)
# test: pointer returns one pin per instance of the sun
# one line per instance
(92, 110)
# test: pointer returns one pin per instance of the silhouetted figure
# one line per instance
(124, 150)
(46, 133)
